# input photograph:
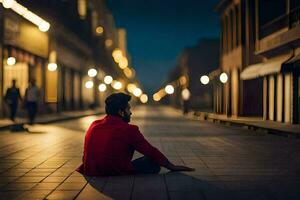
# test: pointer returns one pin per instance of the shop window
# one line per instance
(20, 72)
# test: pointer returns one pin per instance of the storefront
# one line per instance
(25, 51)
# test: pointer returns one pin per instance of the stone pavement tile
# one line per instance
(62, 195)
(5, 195)
(253, 195)
(118, 194)
(179, 195)
(119, 183)
(77, 179)
(35, 194)
(30, 179)
(71, 186)
(137, 195)
(45, 186)
(242, 185)
(150, 183)
(8, 179)
(53, 179)
(92, 192)
(18, 186)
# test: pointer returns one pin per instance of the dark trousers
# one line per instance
(32, 110)
(13, 110)
(145, 165)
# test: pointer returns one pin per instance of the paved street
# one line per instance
(230, 162)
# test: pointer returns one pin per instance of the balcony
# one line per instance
(290, 20)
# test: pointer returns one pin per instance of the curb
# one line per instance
(7, 127)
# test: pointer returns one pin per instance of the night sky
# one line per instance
(158, 30)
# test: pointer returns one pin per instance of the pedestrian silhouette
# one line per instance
(31, 100)
(12, 98)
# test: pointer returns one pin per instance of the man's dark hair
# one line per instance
(116, 102)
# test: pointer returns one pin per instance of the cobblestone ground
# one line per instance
(231, 163)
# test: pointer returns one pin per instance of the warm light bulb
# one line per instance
(102, 87)
(108, 80)
(11, 61)
(169, 89)
(92, 72)
(52, 67)
(223, 77)
(89, 84)
(204, 80)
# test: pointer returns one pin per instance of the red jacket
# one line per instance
(109, 146)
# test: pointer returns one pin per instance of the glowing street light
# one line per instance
(89, 84)
(11, 61)
(8, 3)
(204, 80)
(117, 55)
(223, 77)
(131, 87)
(44, 26)
(117, 85)
(102, 87)
(99, 30)
(137, 92)
(52, 67)
(108, 80)
(169, 89)
(156, 97)
(92, 73)
(144, 98)
(123, 63)
(185, 94)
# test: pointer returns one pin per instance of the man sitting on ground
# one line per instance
(110, 144)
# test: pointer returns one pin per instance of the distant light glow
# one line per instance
(223, 77)
(185, 94)
(123, 63)
(137, 92)
(52, 67)
(89, 84)
(156, 97)
(169, 89)
(128, 72)
(117, 85)
(108, 43)
(92, 72)
(131, 87)
(43, 25)
(108, 80)
(11, 61)
(204, 80)
(99, 30)
(117, 55)
(8, 3)
(102, 87)
(144, 98)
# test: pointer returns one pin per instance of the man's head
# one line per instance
(117, 104)
(14, 82)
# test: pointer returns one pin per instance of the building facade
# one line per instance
(56, 43)
(260, 47)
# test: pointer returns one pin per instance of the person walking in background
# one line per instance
(31, 100)
(12, 98)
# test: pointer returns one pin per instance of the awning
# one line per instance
(272, 66)
(289, 64)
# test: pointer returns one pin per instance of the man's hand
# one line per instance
(177, 168)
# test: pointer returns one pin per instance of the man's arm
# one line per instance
(143, 146)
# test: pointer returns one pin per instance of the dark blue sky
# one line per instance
(158, 30)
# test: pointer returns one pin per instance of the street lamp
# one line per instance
(8, 3)
(131, 87)
(11, 61)
(169, 89)
(117, 55)
(144, 98)
(108, 80)
(117, 85)
(156, 97)
(99, 30)
(92, 72)
(223, 77)
(52, 67)
(102, 87)
(123, 63)
(204, 80)
(89, 84)
(137, 92)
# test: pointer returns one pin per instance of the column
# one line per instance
(1, 59)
